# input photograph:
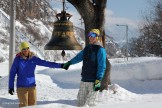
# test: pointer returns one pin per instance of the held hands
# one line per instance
(97, 85)
(10, 91)
(62, 64)
(66, 65)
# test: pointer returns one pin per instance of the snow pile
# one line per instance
(58, 88)
(137, 73)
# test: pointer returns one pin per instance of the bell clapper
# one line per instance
(63, 54)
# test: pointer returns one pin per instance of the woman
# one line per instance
(24, 66)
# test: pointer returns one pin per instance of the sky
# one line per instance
(130, 9)
(123, 12)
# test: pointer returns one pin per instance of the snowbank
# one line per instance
(134, 74)
(58, 88)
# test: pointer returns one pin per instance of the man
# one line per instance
(94, 65)
(24, 66)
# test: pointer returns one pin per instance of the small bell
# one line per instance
(63, 53)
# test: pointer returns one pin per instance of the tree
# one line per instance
(150, 40)
(93, 14)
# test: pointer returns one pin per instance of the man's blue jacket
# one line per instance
(94, 62)
(24, 69)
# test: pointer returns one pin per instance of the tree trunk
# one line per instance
(93, 17)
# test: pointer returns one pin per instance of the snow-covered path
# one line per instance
(137, 82)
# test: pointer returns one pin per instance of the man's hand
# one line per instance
(97, 85)
(66, 65)
(11, 91)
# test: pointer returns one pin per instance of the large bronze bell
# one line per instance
(63, 35)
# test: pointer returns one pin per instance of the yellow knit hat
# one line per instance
(97, 31)
(24, 45)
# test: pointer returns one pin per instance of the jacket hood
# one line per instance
(20, 54)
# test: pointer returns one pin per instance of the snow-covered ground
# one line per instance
(137, 82)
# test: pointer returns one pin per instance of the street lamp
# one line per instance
(126, 34)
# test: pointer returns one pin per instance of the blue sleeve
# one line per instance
(101, 59)
(78, 58)
(13, 71)
(45, 63)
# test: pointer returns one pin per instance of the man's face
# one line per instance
(92, 40)
(92, 37)
(25, 51)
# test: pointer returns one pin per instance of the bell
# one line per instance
(63, 35)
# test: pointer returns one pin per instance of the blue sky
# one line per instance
(117, 12)
(128, 8)
(123, 12)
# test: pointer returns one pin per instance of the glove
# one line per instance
(66, 65)
(62, 65)
(11, 91)
(97, 85)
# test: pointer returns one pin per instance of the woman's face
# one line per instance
(25, 51)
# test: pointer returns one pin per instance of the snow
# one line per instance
(136, 83)
(7, 16)
(42, 28)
